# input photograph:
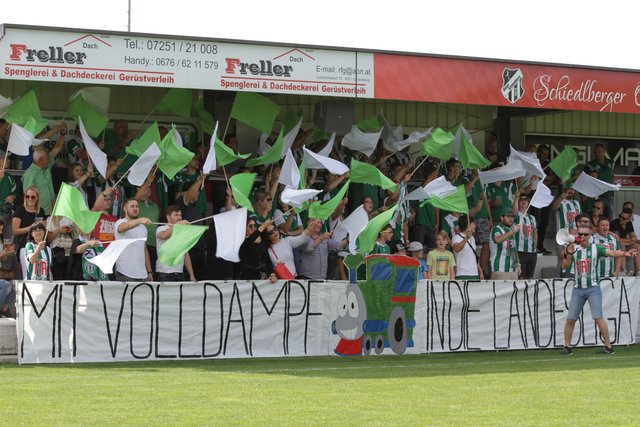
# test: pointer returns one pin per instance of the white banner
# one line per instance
(139, 60)
(63, 322)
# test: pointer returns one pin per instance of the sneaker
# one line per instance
(605, 350)
(543, 251)
(566, 351)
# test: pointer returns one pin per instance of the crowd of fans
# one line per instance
(500, 236)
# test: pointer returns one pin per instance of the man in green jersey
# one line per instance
(504, 255)
(586, 255)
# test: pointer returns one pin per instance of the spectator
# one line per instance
(9, 271)
(190, 212)
(288, 222)
(623, 228)
(314, 255)
(606, 266)
(504, 254)
(602, 168)
(133, 264)
(500, 195)
(26, 215)
(83, 249)
(597, 213)
(78, 178)
(262, 206)
(416, 250)
(384, 236)
(115, 192)
(542, 215)
(441, 262)
(7, 199)
(149, 209)
(172, 273)
(566, 209)
(105, 227)
(39, 172)
(59, 234)
(184, 180)
(480, 214)
(636, 217)
(464, 249)
(255, 263)
(427, 218)
(37, 254)
(281, 249)
(450, 224)
(526, 237)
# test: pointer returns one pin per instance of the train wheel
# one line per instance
(397, 330)
(379, 344)
(366, 346)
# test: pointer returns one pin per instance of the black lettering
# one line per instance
(309, 314)
(157, 337)
(151, 319)
(204, 319)
(113, 344)
(255, 291)
(235, 296)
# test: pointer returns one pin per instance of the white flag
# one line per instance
(542, 197)
(177, 138)
(296, 198)
(593, 187)
(20, 140)
(326, 151)
(439, 187)
(357, 140)
(352, 226)
(457, 139)
(96, 155)
(529, 161)
(513, 169)
(390, 136)
(289, 138)
(263, 147)
(231, 227)
(317, 161)
(210, 163)
(4, 103)
(289, 174)
(96, 96)
(108, 258)
(139, 171)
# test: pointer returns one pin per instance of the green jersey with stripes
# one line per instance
(504, 256)
(606, 264)
(566, 214)
(525, 237)
(505, 194)
(586, 262)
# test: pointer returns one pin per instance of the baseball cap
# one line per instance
(415, 247)
(400, 247)
(509, 213)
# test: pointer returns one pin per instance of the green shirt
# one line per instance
(504, 256)
(425, 215)
(42, 179)
(586, 264)
(7, 187)
(606, 264)
(476, 191)
(505, 194)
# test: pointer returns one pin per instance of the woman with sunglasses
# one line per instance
(280, 249)
(255, 263)
(262, 207)
(26, 215)
(38, 255)
(597, 213)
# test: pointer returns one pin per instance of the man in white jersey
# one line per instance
(172, 273)
(566, 209)
(526, 237)
(586, 255)
(133, 264)
(606, 266)
(502, 245)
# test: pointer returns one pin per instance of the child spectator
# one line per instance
(440, 261)
(416, 250)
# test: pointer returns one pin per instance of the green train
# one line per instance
(378, 313)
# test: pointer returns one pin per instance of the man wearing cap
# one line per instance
(585, 255)
(504, 255)
(526, 237)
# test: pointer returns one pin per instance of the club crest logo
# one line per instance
(512, 88)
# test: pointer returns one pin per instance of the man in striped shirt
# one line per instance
(504, 255)
(526, 237)
(606, 266)
(566, 209)
(586, 255)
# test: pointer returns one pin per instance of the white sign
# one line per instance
(138, 60)
(112, 321)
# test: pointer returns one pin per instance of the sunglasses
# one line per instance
(251, 226)
(584, 234)
(30, 197)
(623, 218)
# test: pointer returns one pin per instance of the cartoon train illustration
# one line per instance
(379, 312)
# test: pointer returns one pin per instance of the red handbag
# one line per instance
(281, 270)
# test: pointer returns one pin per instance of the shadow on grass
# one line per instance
(366, 367)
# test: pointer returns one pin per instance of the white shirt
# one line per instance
(131, 261)
(466, 264)
(161, 267)
(283, 251)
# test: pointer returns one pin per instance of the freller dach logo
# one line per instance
(56, 54)
(266, 67)
(512, 88)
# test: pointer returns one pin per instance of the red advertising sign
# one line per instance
(422, 78)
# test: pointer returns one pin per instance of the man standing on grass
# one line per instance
(586, 256)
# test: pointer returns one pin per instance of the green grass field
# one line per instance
(537, 387)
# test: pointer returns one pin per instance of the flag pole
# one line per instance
(282, 215)
(121, 178)
(146, 117)
(202, 219)
(418, 167)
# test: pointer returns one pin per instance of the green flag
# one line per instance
(470, 157)
(177, 101)
(439, 145)
(206, 119)
(241, 186)
(173, 157)
(255, 110)
(36, 125)
(24, 108)
(183, 237)
(290, 120)
(70, 204)
(455, 202)
(319, 135)
(140, 145)
(225, 155)
(370, 124)
(564, 163)
(367, 239)
(94, 121)
(271, 156)
(324, 210)
(369, 174)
